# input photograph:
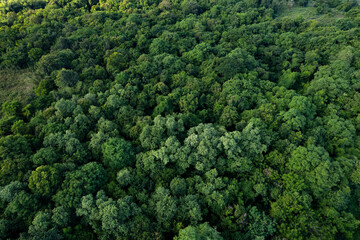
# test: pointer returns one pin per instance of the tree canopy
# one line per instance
(179, 119)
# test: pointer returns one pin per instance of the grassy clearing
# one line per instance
(310, 13)
(305, 12)
(16, 85)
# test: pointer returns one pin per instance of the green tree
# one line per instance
(117, 61)
(260, 225)
(159, 46)
(87, 179)
(178, 186)
(15, 154)
(65, 107)
(66, 78)
(314, 164)
(118, 153)
(237, 61)
(200, 232)
(45, 156)
(109, 218)
(10, 191)
(165, 206)
(11, 108)
(22, 209)
(44, 180)
(54, 61)
(60, 216)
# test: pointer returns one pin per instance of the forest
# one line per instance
(179, 119)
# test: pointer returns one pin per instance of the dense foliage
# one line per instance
(182, 119)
